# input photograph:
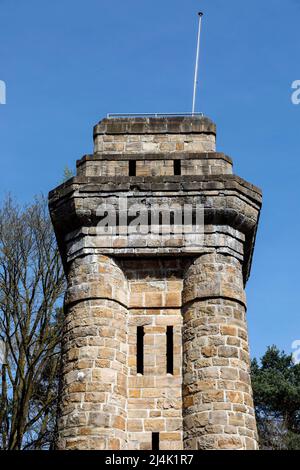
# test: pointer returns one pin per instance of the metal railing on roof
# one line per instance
(125, 115)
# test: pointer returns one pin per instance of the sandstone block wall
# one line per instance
(138, 144)
(93, 408)
(154, 398)
(206, 163)
(154, 136)
(218, 407)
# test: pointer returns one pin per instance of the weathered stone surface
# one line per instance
(119, 282)
(211, 316)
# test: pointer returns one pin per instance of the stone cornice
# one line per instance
(227, 200)
(159, 125)
(99, 156)
(166, 183)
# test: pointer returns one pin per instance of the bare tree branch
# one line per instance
(31, 289)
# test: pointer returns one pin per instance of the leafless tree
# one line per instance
(31, 289)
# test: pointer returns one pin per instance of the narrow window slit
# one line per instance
(170, 350)
(140, 350)
(155, 441)
(132, 168)
(177, 167)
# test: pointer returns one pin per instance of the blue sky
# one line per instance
(68, 63)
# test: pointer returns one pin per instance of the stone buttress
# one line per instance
(155, 345)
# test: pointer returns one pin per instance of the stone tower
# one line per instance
(155, 348)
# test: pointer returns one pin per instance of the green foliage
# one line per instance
(276, 388)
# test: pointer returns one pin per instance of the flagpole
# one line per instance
(200, 14)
